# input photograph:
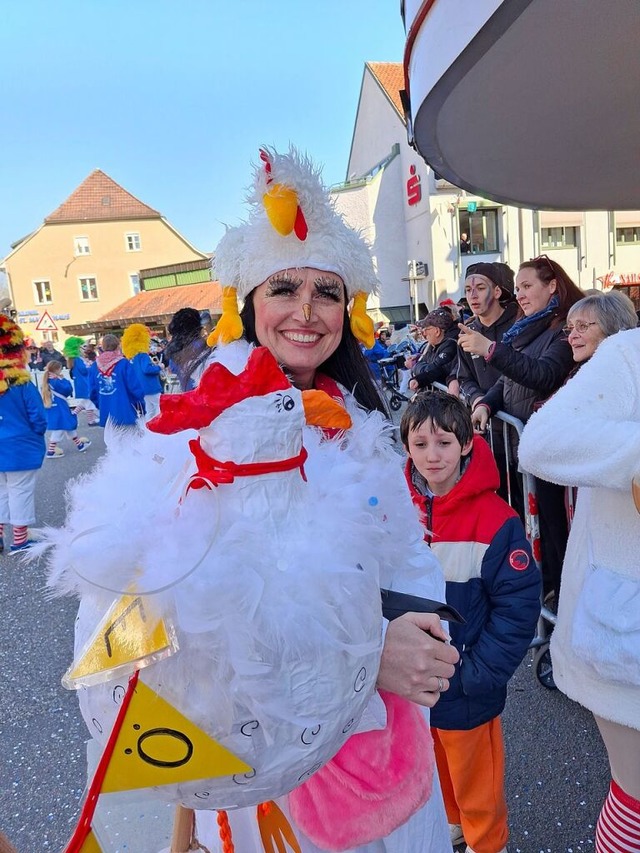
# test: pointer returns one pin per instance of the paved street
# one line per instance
(556, 778)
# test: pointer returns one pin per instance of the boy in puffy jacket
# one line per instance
(492, 579)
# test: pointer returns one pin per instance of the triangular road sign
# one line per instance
(46, 324)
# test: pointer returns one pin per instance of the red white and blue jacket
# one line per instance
(491, 579)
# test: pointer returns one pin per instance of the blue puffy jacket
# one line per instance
(492, 580)
(23, 424)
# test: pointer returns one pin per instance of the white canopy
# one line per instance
(528, 102)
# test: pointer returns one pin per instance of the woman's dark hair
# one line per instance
(345, 365)
(187, 349)
(567, 291)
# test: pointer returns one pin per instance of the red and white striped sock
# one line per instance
(618, 829)
(20, 535)
(52, 446)
(1, 531)
(76, 440)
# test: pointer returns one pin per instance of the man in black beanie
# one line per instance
(489, 290)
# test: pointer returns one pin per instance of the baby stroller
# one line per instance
(390, 373)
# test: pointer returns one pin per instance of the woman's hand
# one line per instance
(417, 662)
(413, 385)
(473, 342)
(454, 388)
(480, 417)
(410, 361)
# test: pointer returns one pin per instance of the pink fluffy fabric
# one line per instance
(372, 786)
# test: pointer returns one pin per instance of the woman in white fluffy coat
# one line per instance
(588, 435)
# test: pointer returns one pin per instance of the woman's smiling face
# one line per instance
(585, 335)
(299, 316)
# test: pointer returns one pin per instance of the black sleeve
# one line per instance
(467, 377)
(494, 398)
(544, 373)
(436, 370)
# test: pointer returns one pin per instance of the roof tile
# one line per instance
(168, 300)
(100, 198)
(390, 76)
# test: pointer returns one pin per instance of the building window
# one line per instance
(50, 336)
(134, 280)
(563, 237)
(42, 292)
(88, 289)
(133, 241)
(628, 235)
(81, 246)
(481, 230)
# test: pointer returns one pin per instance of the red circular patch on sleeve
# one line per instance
(519, 560)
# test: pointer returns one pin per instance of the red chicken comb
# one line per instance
(219, 389)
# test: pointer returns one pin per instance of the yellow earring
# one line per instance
(361, 322)
(229, 326)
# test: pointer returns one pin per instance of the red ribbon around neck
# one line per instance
(212, 472)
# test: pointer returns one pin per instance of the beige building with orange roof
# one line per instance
(85, 258)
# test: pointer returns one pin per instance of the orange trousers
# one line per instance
(471, 769)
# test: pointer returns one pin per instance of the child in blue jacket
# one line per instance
(80, 375)
(114, 387)
(60, 419)
(22, 428)
(493, 581)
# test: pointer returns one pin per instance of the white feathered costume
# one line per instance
(271, 581)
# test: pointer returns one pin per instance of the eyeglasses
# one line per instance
(580, 327)
(547, 260)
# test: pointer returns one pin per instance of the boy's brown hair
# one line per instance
(444, 411)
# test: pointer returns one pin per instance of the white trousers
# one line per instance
(17, 497)
(87, 405)
(57, 435)
(152, 405)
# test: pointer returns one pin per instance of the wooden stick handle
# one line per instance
(183, 826)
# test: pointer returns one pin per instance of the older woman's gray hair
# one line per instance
(612, 311)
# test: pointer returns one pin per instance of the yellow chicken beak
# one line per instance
(281, 204)
(323, 411)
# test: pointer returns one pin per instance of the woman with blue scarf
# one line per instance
(534, 358)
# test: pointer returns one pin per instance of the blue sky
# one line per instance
(172, 99)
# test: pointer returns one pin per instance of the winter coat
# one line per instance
(588, 435)
(475, 374)
(23, 424)
(373, 356)
(532, 367)
(46, 357)
(434, 363)
(59, 415)
(81, 378)
(147, 373)
(491, 579)
(117, 393)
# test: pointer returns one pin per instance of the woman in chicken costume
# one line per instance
(237, 553)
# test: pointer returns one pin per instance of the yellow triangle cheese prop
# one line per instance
(157, 745)
(129, 637)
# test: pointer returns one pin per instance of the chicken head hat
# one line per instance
(292, 224)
